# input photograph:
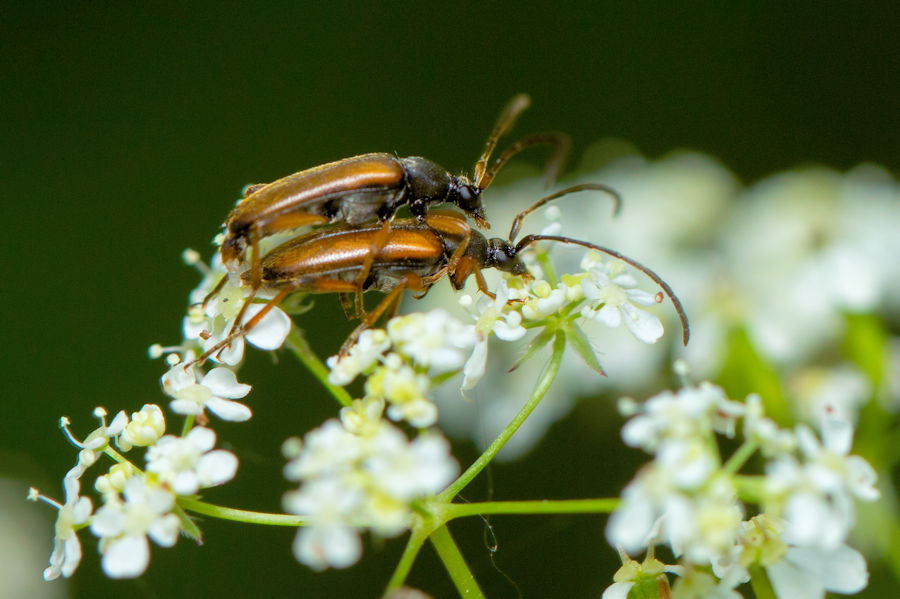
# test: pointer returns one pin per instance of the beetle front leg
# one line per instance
(387, 306)
(377, 244)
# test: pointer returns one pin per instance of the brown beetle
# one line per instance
(414, 256)
(373, 186)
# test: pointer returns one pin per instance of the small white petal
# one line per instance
(475, 365)
(842, 570)
(164, 531)
(232, 411)
(186, 407)
(126, 557)
(185, 483)
(643, 325)
(216, 467)
(270, 332)
(108, 522)
(608, 315)
(223, 383)
(202, 438)
(617, 590)
(324, 547)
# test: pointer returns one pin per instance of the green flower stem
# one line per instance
(740, 457)
(188, 425)
(760, 583)
(297, 343)
(543, 384)
(416, 540)
(115, 455)
(456, 566)
(541, 506)
(544, 260)
(751, 488)
(227, 513)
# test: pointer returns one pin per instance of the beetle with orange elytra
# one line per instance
(372, 187)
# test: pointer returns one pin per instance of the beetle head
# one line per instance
(503, 256)
(467, 196)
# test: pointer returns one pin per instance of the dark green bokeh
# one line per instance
(128, 134)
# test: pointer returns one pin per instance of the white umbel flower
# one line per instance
(214, 391)
(123, 527)
(189, 463)
(613, 295)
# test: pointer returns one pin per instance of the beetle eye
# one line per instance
(468, 197)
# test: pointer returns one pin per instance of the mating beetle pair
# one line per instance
(365, 249)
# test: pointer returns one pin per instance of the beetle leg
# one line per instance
(378, 242)
(254, 258)
(482, 284)
(349, 305)
(386, 306)
(435, 224)
(215, 290)
(237, 331)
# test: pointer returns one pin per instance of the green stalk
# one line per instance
(543, 384)
(227, 513)
(455, 563)
(760, 583)
(297, 343)
(540, 506)
(416, 540)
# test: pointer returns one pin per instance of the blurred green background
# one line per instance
(128, 133)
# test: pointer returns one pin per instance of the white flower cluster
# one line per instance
(135, 504)
(690, 500)
(360, 472)
(400, 362)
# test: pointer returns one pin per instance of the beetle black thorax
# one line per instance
(426, 183)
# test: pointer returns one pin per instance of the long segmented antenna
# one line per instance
(517, 222)
(508, 116)
(560, 141)
(679, 308)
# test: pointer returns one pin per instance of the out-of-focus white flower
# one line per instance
(404, 389)
(73, 514)
(815, 497)
(690, 412)
(362, 355)
(214, 391)
(355, 481)
(124, 525)
(825, 392)
(406, 470)
(189, 463)
(696, 584)
(613, 294)
(363, 416)
(808, 572)
(809, 246)
(113, 482)
(433, 339)
(330, 541)
(794, 572)
(772, 440)
(144, 428)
